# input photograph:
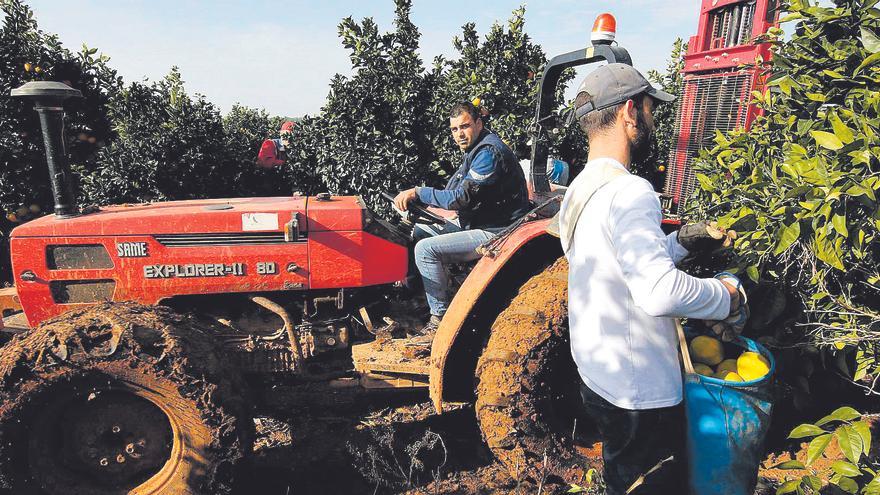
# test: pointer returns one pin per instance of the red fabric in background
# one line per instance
(268, 157)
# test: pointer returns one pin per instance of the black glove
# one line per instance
(705, 236)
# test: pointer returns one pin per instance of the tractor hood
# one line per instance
(237, 215)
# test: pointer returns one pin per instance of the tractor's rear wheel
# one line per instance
(527, 386)
(119, 399)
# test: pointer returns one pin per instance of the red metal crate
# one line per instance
(717, 84)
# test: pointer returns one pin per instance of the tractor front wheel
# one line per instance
(119, 399)
(528, 400)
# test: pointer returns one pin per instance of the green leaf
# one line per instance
(753, 273)
(834, 74)
(870, 40)
(850, 442)
(806, 430)
(827, 140)
(792, 464)
(872, 488)
(839, 223)
(817, 447)
(788, 487)
(706, 183)
(864, 431)
(844, 468)
(871, 60)
(844, 413)
(844, 133)
(848, 485)
(788, 235)
(828, 251)
(812, 481)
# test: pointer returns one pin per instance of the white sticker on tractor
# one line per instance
(259, 221)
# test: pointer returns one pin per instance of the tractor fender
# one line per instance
(467, 299)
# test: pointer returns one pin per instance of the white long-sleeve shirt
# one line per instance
(624, 291)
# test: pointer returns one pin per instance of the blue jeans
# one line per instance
(434, 249)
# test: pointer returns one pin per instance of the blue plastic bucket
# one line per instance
(726, 426)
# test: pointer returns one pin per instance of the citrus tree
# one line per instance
(170, 145)
(504, 71)
(801, 185)
(29, 54)
(371, 135)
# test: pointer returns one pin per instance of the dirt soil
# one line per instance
(312, 438)
(358, 445)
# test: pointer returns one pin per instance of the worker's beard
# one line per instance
(640, 146)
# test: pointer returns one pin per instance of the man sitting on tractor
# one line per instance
(488, 192)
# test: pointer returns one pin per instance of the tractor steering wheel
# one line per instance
(417, 213)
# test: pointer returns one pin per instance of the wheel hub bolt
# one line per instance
(104, 462)
(116, 429)
(120, 458)
(129, 449)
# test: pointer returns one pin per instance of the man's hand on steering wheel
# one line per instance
(404, 198)
(416, 212)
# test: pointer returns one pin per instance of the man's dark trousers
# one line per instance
(634, 441)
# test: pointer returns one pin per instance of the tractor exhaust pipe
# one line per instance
(48, 97)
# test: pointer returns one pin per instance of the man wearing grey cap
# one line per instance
(624, 289)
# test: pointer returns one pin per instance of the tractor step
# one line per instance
(392, 356)
(13, 324)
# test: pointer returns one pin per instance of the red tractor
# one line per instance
(138, 321)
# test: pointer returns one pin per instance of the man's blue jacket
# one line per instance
(488, 190)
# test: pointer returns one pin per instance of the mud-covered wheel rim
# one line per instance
(528, 402)
(140, 388)
(103, 441)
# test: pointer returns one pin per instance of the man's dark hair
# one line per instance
(464, 107)
(599, 120)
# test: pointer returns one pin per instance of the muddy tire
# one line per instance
(119, 398)
(527, 397)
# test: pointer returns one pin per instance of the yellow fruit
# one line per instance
(751, 366)
(728, 376)
(34, 208)
(38, 69)
(27, 66)
(477, 102)
(12, 217)
(706, 350)
(661, 168)
(703, 369)
(727, 365)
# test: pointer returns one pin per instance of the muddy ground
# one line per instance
(396, 444)
(316, 439)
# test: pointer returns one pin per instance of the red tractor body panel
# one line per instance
(148, 253)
